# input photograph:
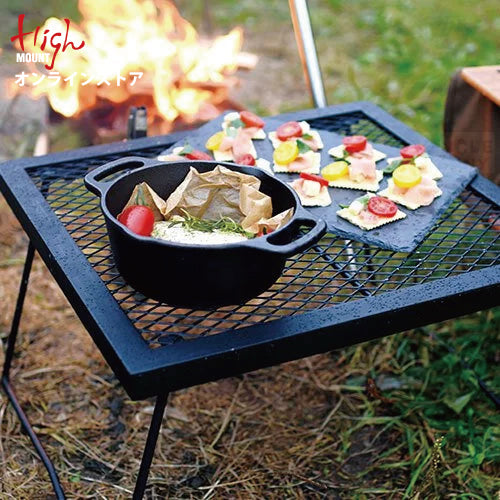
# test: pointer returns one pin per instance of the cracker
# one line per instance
(345, 213)
(283, 169)
(223, 155)
(338, 151)
(322, 200)
(427, 167)
(397, 198)
(265, 165)
(228, 155)
(229, 117)
(346, 183)
(276, 142)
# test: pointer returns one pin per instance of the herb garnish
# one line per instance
(139, 196)
(303, 147)
(237, 123)
(364, 200)
(392, 166)
(344, 156)
(224, 224)
(186, 150)
(307, 137)
(406, 161)
(231, 131)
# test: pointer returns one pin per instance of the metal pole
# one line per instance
(149, 449)
(307, 51)
(11, 341)
(9, 391)
(312, 73)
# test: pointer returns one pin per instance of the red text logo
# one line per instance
(53, 39)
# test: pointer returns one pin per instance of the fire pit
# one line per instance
(138, 54)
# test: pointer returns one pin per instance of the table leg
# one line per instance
(9, 391)
(149, 449)
(11, 340)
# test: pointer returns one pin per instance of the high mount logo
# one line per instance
(52, 39)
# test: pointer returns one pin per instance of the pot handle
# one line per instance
(93, 179)
(272, 243)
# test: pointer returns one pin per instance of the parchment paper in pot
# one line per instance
(225, 193)
(143, 194)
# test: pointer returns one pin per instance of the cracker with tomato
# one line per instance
(291, 131)
(231, 144)
(371, 211)
(295, 157)
(415, 154)
(312, 190)
(245, 119)
(339, 174)
(356, 146)
(410, 188)
(186, 152)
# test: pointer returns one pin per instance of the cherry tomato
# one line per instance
(247, 159)
(286, 152)
(312, 177)
(198, 155)
(251, 120)
(335, 170)
(139, 219)
(382, 207)
(354, 143)
(406, 176)
(214, 141)
(289, 130)
(264, 231)
(412, 151)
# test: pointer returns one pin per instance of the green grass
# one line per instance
(397, 53)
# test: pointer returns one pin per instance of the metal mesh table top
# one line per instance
(466, 238)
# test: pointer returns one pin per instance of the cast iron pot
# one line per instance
(194, 275)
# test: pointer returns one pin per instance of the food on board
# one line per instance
(293, 131)
(355, 173)
(371, 211)
(186, 152)
(356, 146)
(231, 143)
(253, 124)
(312, 190)
(410, 188)
(295, 157)
(415, 155)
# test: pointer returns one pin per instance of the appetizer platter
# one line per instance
(332, 173)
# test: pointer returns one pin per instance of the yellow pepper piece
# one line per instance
(215, 141)
(286, 152)
(406, 176)
(335, 170)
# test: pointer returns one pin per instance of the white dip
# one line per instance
(180, 234)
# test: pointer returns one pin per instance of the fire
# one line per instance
(183, 75)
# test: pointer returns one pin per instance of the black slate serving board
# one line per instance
(400, 236)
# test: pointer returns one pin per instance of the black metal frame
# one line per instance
(142, 370)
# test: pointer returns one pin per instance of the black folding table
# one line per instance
(335, 294)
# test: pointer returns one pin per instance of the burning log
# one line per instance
(141, 53)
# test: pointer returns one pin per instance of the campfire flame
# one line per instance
(184, 76)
